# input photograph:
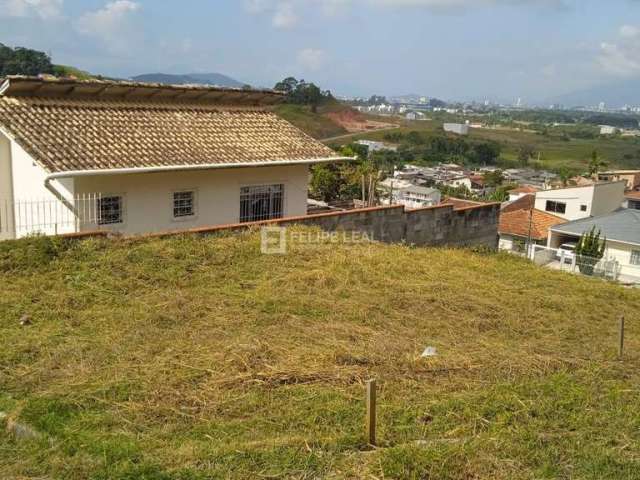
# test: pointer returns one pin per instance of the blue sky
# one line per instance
(497, 49)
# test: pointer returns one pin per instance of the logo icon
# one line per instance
(273, 241)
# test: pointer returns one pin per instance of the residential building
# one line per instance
(415, 196)
(520, 227)
(521, 191)
(608, 130)
(632, 200)
(376, 146)
(575, 203)
(154, 158)
(632, 177)
(457, 128)
(621, 229)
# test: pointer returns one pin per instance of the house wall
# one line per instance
(6, 189)
(573, 197)
(148, 197)
(608, 197)
(506, 242)
(620, 252)
(33, 208)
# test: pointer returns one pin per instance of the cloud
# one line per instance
(110, 23)
(312, 59)
(622, 58)
(284, 16)
(45, 9)
(286, 13)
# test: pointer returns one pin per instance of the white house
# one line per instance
(137, 158)
(457, 128)
(417, 197)
(622, 231)
(608, 130)
(575, 203)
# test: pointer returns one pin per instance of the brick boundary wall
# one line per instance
(431, 226)
(439, 225)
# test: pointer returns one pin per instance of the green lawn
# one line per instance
(194, 358)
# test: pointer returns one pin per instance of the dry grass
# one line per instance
(202, 358)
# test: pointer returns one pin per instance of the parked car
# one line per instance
(569, 250)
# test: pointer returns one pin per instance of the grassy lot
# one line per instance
(555, 152)
(193, 358)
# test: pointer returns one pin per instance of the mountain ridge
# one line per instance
(213, 79)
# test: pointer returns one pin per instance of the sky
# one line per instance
(450, 49)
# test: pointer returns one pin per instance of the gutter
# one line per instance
(173, 168)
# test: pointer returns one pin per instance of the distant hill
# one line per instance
(215, 79)
(616, 94)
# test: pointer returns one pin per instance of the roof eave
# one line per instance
(178, 168)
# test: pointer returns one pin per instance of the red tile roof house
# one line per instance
(140, 158)
(520, 223)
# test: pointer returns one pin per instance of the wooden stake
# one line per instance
(371, 412)
(621, 345)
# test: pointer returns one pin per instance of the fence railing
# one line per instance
(49, 216)
(607, 267)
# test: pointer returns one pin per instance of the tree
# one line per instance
(596, 163)
(565, 176)
(303, 93)
(494, 179)
(23, 61)
(525, 153)
(590, 251)
(486, 153)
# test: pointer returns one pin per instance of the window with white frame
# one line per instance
(109, 210)
(264, 202)
(635, 257)
(184, 204)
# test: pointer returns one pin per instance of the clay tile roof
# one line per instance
(525, 189)
(459, 203)
(633, 195)
(141, 126)
(518, 223)
(526, 202)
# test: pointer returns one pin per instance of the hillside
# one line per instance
(331, 120)
(190, 358)
(215, 79)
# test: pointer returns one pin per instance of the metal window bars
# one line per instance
(264, 202)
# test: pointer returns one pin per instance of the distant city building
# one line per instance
(376, 146)
(608, 130)
(457, 128)
(415, 116)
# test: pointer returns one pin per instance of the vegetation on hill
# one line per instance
(23, 61)
(316, 124)
(555, 150)
(193, 358)
(301, 92)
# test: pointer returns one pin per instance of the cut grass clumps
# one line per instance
(194, 358)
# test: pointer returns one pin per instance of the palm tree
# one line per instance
(596, 163)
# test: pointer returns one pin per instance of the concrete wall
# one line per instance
(6, 189)
(31, 207)
(432, 226)
(608, 197)
(148, 197)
